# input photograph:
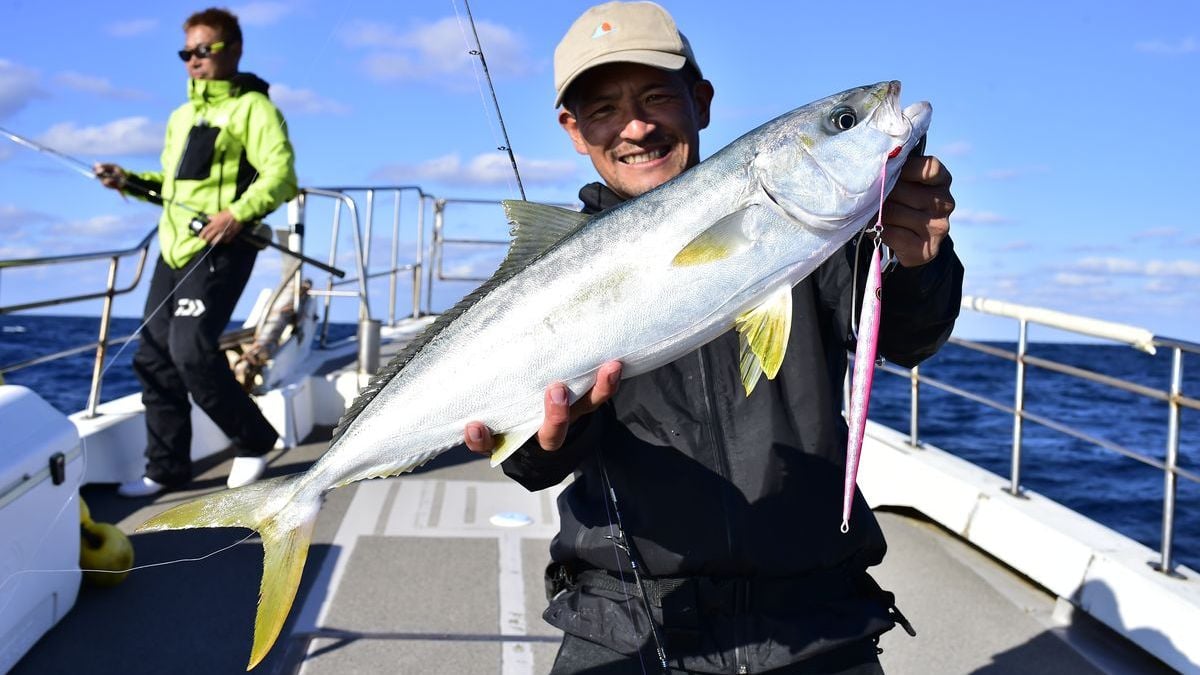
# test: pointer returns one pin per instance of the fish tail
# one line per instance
(285, 525)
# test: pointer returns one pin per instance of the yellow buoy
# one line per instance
(102, 547)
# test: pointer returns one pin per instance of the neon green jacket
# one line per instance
(226, 148)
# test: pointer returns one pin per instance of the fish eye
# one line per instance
(843, 118)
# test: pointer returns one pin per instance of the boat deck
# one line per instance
(410, 575)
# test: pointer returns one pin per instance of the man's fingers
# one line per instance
(912, 234)
(935, 201)
(925, 169)
(558, 417)
(479, 438)
(608, 378)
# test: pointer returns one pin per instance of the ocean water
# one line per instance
(1119, 492)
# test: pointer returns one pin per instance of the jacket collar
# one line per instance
(597, 197)
(213, 91)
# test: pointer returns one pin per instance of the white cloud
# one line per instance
(99, 86)
(437, 52)
(261, 13)
(117, 229)
(1071, 279)
(977, 217)
(485, 169)
(1157, 233)
(1186, 45)
(130, 27)
(126, 136)
(1160, 286)
(16, 252)
(1146, 268)
(954, 149)
(18, 86)
(13, 217)
(1015, 246)
(305, 101)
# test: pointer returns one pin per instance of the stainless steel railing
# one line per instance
(344, 196)
(1138, 338)
(102, 343)
(363, 231)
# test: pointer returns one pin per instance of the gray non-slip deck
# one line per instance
(408, 575)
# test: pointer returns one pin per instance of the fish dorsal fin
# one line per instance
(536, 229)
(763, 335)
(724, 238)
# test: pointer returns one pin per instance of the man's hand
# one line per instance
(916, 215)
(221, 228)
(111, 176)
(558, 414)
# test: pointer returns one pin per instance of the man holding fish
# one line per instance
(702, 527)
(711, 509)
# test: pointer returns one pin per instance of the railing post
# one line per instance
(395, 259)
(435, 253)
(1169, 478)
(366, 254)
(418, 267)
(1019, 409)
(914, 408)
(295, 242)
(333, 241)
(102, 339)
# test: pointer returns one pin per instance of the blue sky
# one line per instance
(1067, 125)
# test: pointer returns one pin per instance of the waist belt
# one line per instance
(718, 595)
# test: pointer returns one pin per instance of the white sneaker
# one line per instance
(246, 470)
(140, 487)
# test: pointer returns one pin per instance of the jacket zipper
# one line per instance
(712, 426)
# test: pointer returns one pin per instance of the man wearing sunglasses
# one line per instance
(226, 154)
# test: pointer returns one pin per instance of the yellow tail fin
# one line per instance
(286, 527)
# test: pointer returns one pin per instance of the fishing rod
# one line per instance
(199, 218)
(478, 51)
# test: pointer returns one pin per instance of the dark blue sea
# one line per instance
(1119, 492)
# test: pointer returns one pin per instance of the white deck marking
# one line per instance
(360, 519)
(417, 507)
(516, 657)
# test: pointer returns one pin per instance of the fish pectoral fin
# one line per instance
(763, 335)
(508, 442)
(725, 238)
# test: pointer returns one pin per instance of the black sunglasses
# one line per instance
(200, 52)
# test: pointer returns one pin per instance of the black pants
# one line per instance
(179, 355)
(577, 656)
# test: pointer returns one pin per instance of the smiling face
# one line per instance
(220, 65)
(639, 125)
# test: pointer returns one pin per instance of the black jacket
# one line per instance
(741, 496)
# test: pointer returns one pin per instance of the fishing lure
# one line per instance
(864, 359)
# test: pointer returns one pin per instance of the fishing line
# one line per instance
(620, 543)
(147, 566)
(478, 51)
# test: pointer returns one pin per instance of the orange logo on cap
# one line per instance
(603, 29)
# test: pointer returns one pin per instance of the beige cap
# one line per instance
(633, 32)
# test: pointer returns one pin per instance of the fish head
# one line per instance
(822, 164)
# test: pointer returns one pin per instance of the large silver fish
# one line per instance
(718, 247)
